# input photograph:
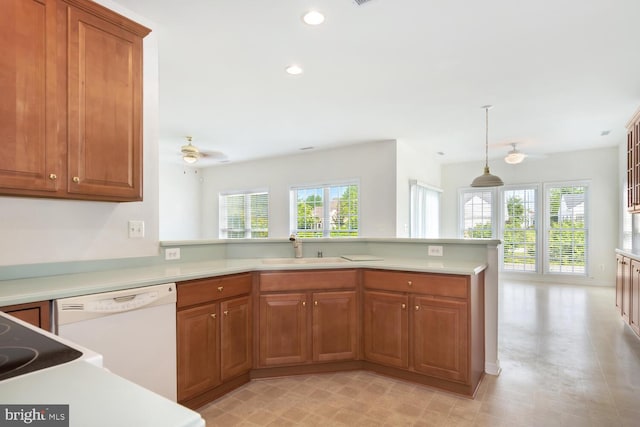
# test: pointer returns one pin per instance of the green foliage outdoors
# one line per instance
(567, 236)
(343, 222)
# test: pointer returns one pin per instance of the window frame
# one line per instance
(538, 217)
(547, 226)
(223, 230)
(326, 208)
(461, 211)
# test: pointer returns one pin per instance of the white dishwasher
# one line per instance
(133, 329)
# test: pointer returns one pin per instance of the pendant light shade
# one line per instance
(486, 179)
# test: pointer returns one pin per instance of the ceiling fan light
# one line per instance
(514, 157)
(190, 158)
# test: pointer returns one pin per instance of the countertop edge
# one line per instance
(19, 291)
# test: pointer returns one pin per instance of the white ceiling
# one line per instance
(558, 72)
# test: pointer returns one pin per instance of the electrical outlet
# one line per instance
(136, 229)
(435, 250)
(172, 254)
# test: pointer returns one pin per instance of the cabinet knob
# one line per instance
(220, 288)
(304, 303)
(213, 316)
(315, 303)
(417, 307)
(76, 179)
(410, 283)
(226, 312)
(404, 306)
(53, 176)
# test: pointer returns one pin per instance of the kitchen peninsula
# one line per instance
(387, 266)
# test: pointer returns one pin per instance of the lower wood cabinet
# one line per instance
(429, 324)
(214, 337)
(386, 328)
(294, 326)
(35, 313)
(314, 320)
(426, 328)
(441, 338)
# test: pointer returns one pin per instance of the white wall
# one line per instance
(373, 164)
(45, 230)
(599, 166)
(413, 163)
(180, 202)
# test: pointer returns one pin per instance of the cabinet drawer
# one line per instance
(211, 289)
(445, 285)
(307, 280)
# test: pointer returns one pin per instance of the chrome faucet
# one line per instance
(297, 245)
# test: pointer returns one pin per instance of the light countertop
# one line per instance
(52, 287)
(96, 398)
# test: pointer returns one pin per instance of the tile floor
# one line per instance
(566, 357)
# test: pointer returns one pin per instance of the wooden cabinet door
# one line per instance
(621, 262)
(36, 313)
(28, 138)
(334, 326)
(235, 337)
(283, 329)
(634, 285)
(198, 356)
(385, 329)
(104, 108)
(440, 337)
(626, 288)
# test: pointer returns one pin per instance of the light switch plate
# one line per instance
(136, 229)
(435, 250)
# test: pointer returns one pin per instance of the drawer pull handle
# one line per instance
(53, 176)
(226, 312)
(304, 303)
(417, 307)
(213, 316)
(410, 283)
(404, 306)
(220, 288)
(76, 179)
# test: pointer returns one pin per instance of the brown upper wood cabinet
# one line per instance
(633, 163)
(71, 110)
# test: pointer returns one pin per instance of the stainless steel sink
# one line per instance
(325, 260)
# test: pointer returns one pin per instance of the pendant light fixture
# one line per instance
(486, 179)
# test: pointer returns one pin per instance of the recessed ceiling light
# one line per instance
(294, 69)
(313, 17)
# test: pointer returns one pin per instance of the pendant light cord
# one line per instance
(486, 144)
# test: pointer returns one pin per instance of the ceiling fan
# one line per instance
(514, 156)
(191, 154)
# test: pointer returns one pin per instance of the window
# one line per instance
(326, 211)
(519, 230)
(424, 211)
(566, 229)
(477, 214)
(562, 242)
(244, 215)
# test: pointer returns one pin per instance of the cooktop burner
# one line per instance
(24, 350)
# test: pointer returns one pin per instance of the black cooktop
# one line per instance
(24, 350)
